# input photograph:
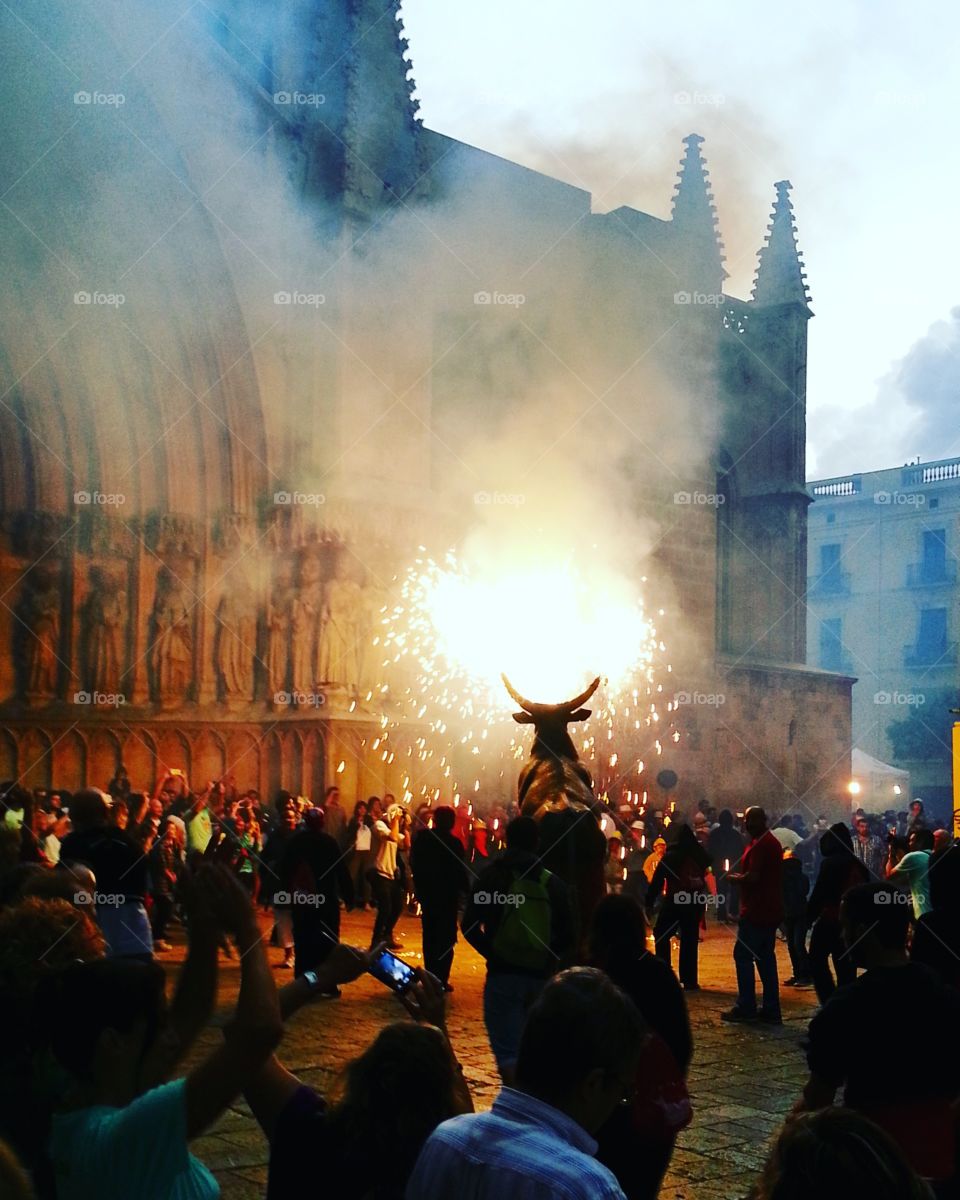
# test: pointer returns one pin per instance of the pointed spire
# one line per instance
(693, 211)
(780, 277)
(381, 127)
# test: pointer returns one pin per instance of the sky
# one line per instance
(854, 101)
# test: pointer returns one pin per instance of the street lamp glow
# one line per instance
(853, 788)
(896, 789)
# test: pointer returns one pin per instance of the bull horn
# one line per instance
(584, 696)
(528, 705)
(542, 710)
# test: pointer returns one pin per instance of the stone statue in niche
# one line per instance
(278, 624)
(341, 630)
(105, 622)
(305, 619)
(370, 629)
(171, 655)
(236, 643)
(37, 631)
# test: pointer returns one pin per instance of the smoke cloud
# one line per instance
(141, 166)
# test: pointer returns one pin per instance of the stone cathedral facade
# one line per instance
(208, 485)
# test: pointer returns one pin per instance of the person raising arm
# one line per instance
(119, 1133)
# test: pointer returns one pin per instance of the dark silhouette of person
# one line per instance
(440, 879)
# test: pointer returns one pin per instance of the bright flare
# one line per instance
(551, 628)
(546, 626)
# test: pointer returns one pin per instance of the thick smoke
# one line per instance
(629, 155)
(177, 199)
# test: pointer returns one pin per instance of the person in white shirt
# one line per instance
(388, 888)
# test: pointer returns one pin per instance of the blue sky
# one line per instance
(854, 101)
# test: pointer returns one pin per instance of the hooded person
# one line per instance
(840, 870)
(725, 845)
(680, 884)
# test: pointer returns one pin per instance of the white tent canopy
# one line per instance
(878, 782)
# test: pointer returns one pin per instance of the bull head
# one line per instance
(551, 720)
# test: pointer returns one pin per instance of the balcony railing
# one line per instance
(922, 656)
(830, 583)
(843, 486)
(936, 472)
(929, 574)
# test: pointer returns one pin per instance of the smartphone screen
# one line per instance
(392, 971)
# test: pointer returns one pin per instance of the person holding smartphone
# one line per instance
(390, 1099)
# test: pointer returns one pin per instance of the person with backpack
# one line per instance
(840, 870)
(520, 919)
(680, 884)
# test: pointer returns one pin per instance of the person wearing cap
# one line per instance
(654, 859)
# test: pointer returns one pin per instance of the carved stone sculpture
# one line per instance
(278, 625)
(236, 644)
(305, 620)
(340, 631)
(171, 654)
(105, 622)
(38, 633)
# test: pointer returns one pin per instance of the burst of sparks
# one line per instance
(446, 640)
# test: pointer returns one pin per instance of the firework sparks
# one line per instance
(445, 642)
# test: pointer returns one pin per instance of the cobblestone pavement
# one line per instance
(743, 1079)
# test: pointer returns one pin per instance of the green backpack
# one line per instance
(522, 938)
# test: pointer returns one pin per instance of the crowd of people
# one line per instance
(587, 1021)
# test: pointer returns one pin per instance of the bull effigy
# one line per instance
(556, 789)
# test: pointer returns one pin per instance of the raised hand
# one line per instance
(220, 898)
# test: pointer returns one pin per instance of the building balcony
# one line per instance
(926, 574)
(844, 485)
(830, 583)
(921, 656)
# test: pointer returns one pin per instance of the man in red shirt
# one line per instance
(761, 911)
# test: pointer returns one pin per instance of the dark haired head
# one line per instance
(921, 839)
(89, 808)
(876, 910)
(523, 833)
(403, 1086)
(682, 839)
(618, 933)
(833, 1154)
(314, 819)
(580, 1026)
(79, 1004)
(283, 799)
(725, 819)
(837, 840)
(444, 818)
